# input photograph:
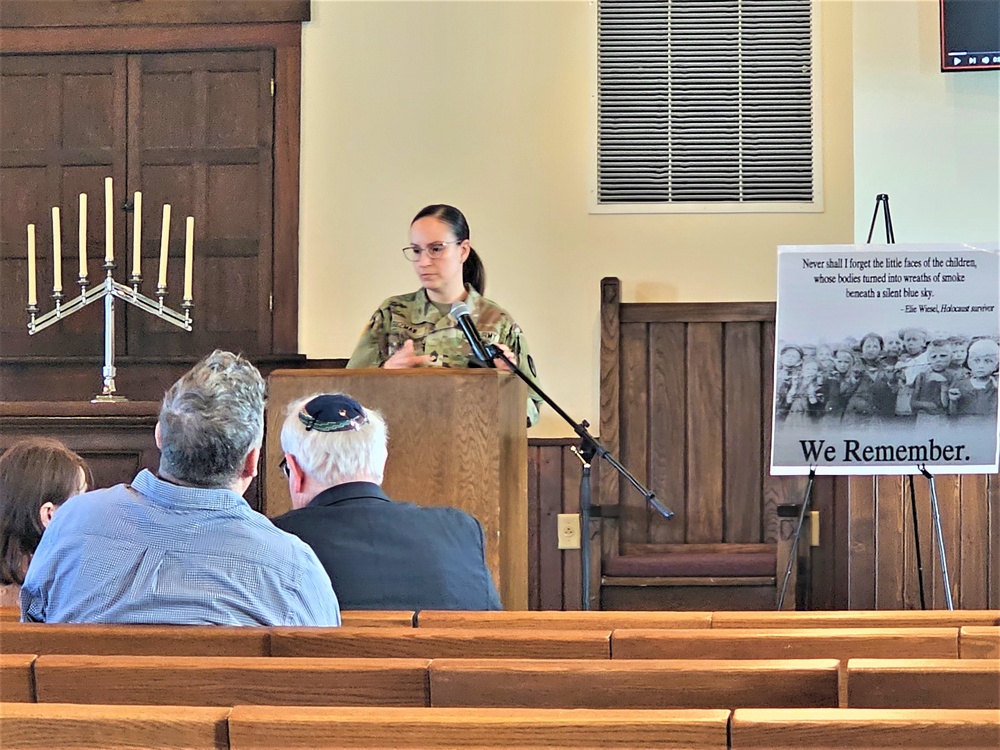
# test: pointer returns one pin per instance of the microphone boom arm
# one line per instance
(589, 443)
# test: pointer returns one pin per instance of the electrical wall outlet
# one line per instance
(569, 530)
(814, 528)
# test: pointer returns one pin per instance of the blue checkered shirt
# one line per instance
(156, 552)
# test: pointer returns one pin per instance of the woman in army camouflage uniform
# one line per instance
(416, 330)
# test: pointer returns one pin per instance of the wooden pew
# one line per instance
(787, 643)
(923, 683)
(376, 618)
(266, 728)
(858, 728)
(440, 643)
(979, 642)
(159, 640)
(887, 618)
(591, 683)
(594, 619)
(16, 684)
(33, 726)
(227, 681)
(10, 614)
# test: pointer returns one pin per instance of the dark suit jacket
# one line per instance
(383, 554)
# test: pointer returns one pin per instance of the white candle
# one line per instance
(109, 243)
(164, 242)
(188, 258)
(32, 292)
(56, 251)
(137, 235)
(83, 235)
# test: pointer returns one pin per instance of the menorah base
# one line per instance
(108, 398)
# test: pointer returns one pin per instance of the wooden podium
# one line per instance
(456, 437)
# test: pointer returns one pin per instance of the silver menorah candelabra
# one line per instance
(110, 289)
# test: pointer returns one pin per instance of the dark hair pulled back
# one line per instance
(473, 271)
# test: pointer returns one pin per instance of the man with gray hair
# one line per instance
(182, 546)
(379, 553)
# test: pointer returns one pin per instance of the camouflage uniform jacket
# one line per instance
(413, 316)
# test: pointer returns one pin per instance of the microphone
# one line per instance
(460, 312)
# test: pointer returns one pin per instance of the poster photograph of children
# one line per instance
(886, 359)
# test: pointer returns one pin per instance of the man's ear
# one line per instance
(296, 476)
(159, 438)
(251, 464)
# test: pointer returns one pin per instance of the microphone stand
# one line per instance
(589, 448)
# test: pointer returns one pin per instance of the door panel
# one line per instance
(62, 131)
(201, 128)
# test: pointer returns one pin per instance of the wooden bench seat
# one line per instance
(555, 620)
(16, 682)
(886, 618)
(10, 614)
(923, 683)
(858, 728)
(227, 681)
(266, 728)
(158, 640)
(590, 683)
(439, 643)
(377, 618)
(979, 642)
(38, 726)
(787, 643)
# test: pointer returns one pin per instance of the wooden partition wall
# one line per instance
(686, 392)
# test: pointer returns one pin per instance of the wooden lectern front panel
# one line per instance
(456, 438)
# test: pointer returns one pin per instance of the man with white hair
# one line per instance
(379, 553)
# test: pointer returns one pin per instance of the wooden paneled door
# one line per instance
(195, 130)
(62, 131)
(200, 131)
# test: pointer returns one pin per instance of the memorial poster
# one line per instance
(886, 359)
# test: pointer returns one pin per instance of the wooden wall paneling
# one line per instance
(571, 472)
(667, 431)
(56, 13)
(201, 139)
(534, 540)
(889, 541)
(840, 541)
(61, 133)
(610, 384)
(994, 542)
(823, 559)
(704, 433)
(285, 275)
(634, 416)
(974, 556)
(550, 479)
(861, 566)
(742, 422)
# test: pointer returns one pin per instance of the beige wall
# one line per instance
(931, 140)
(486, 105)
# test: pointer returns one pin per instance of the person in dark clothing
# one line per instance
(379, 553)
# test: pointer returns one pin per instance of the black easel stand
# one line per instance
(882, 201)
(589, 447)
(916, 544)
(936, 519)
(793, 556)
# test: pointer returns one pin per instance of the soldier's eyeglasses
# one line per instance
(433, 250)
(284, 468)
